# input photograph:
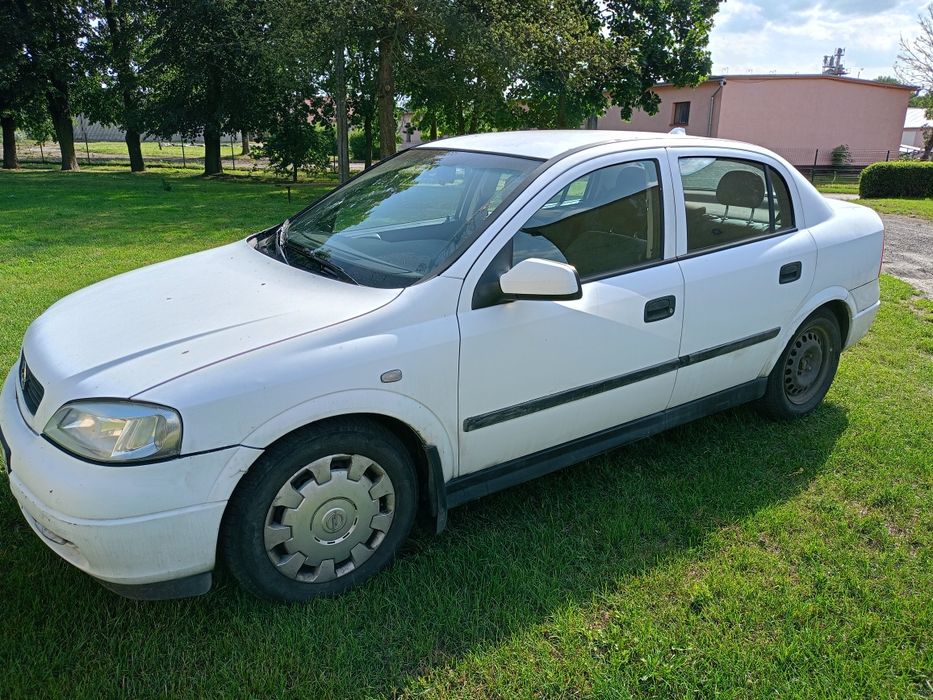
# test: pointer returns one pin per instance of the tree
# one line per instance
(49, 35)
(212, 68)
(15, 86)
(362, 72)
(566, 61)
(293, 142)
(119, 46)
(458, 71)
(657, 41)
(915, 66)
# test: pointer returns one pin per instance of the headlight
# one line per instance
(116, 431)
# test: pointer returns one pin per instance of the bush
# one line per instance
(358, 145)
(897, 179)
(841, 155)
(292, 143)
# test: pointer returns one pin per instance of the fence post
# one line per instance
(813, 169)
(888, 156)
(184, 163)
(232, 154)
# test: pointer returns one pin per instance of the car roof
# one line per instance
(548, 143)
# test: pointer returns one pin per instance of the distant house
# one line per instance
(801, 117)
(914, 124)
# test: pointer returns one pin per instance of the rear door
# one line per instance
(747, 267)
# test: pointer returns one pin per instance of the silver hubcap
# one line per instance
(329, 518)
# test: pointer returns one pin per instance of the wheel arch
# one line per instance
(837, 299)
(417, 428)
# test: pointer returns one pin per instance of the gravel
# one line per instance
(908, 250)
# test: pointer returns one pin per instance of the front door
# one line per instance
(534, 373)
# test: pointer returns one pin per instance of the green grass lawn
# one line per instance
(152, 149)
(922, 208)
(732, 557)
(838, 187)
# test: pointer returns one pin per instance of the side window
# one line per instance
(729, 200)
(604, 222)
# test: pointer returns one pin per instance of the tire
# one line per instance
(322, 511)
(806, 368)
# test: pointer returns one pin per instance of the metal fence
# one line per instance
(828, 165)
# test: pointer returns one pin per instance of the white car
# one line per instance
(463, 317)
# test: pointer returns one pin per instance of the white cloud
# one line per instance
(758, 36)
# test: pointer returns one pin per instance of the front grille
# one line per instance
(32, 390)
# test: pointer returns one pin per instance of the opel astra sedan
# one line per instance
(463, 317)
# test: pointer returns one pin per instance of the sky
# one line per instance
(792, 36)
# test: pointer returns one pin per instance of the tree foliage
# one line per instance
(915, 66)
(278, 67)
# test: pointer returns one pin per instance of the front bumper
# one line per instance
(127, 526)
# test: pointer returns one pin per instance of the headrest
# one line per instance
(631, 180)
(741, 188)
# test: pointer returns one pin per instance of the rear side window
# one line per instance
(729, 200)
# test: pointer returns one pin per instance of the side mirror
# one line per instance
(535, 278)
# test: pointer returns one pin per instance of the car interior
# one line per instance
(607, 221)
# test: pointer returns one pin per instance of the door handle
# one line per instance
(659, 309)
(790, 272)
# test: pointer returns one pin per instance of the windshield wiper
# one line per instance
(321, 262)
(281, 236)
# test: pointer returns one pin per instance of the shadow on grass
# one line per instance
(507, 562)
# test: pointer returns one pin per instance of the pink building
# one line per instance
(793, 115)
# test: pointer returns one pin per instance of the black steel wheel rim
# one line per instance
(807, 364)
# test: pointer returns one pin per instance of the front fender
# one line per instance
(422, 420)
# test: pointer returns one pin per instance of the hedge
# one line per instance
(898, 178)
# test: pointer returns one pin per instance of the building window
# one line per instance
(681, 114)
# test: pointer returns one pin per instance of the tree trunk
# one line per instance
(368, 141)
(212, 162)
(385, 92)
(461, 120)
(340, 104)
(135, 149)
(121, 60)
(473, 120)
(244, 140)
(433, 126)
(294, 172)
(10, 161)
(60, 112)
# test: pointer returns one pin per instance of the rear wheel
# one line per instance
(806, 368)
(322, 511)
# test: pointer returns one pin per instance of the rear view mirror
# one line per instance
(535, 278)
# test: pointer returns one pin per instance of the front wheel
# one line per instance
(806, 368)
(322, 511)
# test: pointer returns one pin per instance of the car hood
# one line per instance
(129, 333)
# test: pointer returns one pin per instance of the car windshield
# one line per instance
(405, 219)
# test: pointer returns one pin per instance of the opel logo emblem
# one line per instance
(334, 520)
